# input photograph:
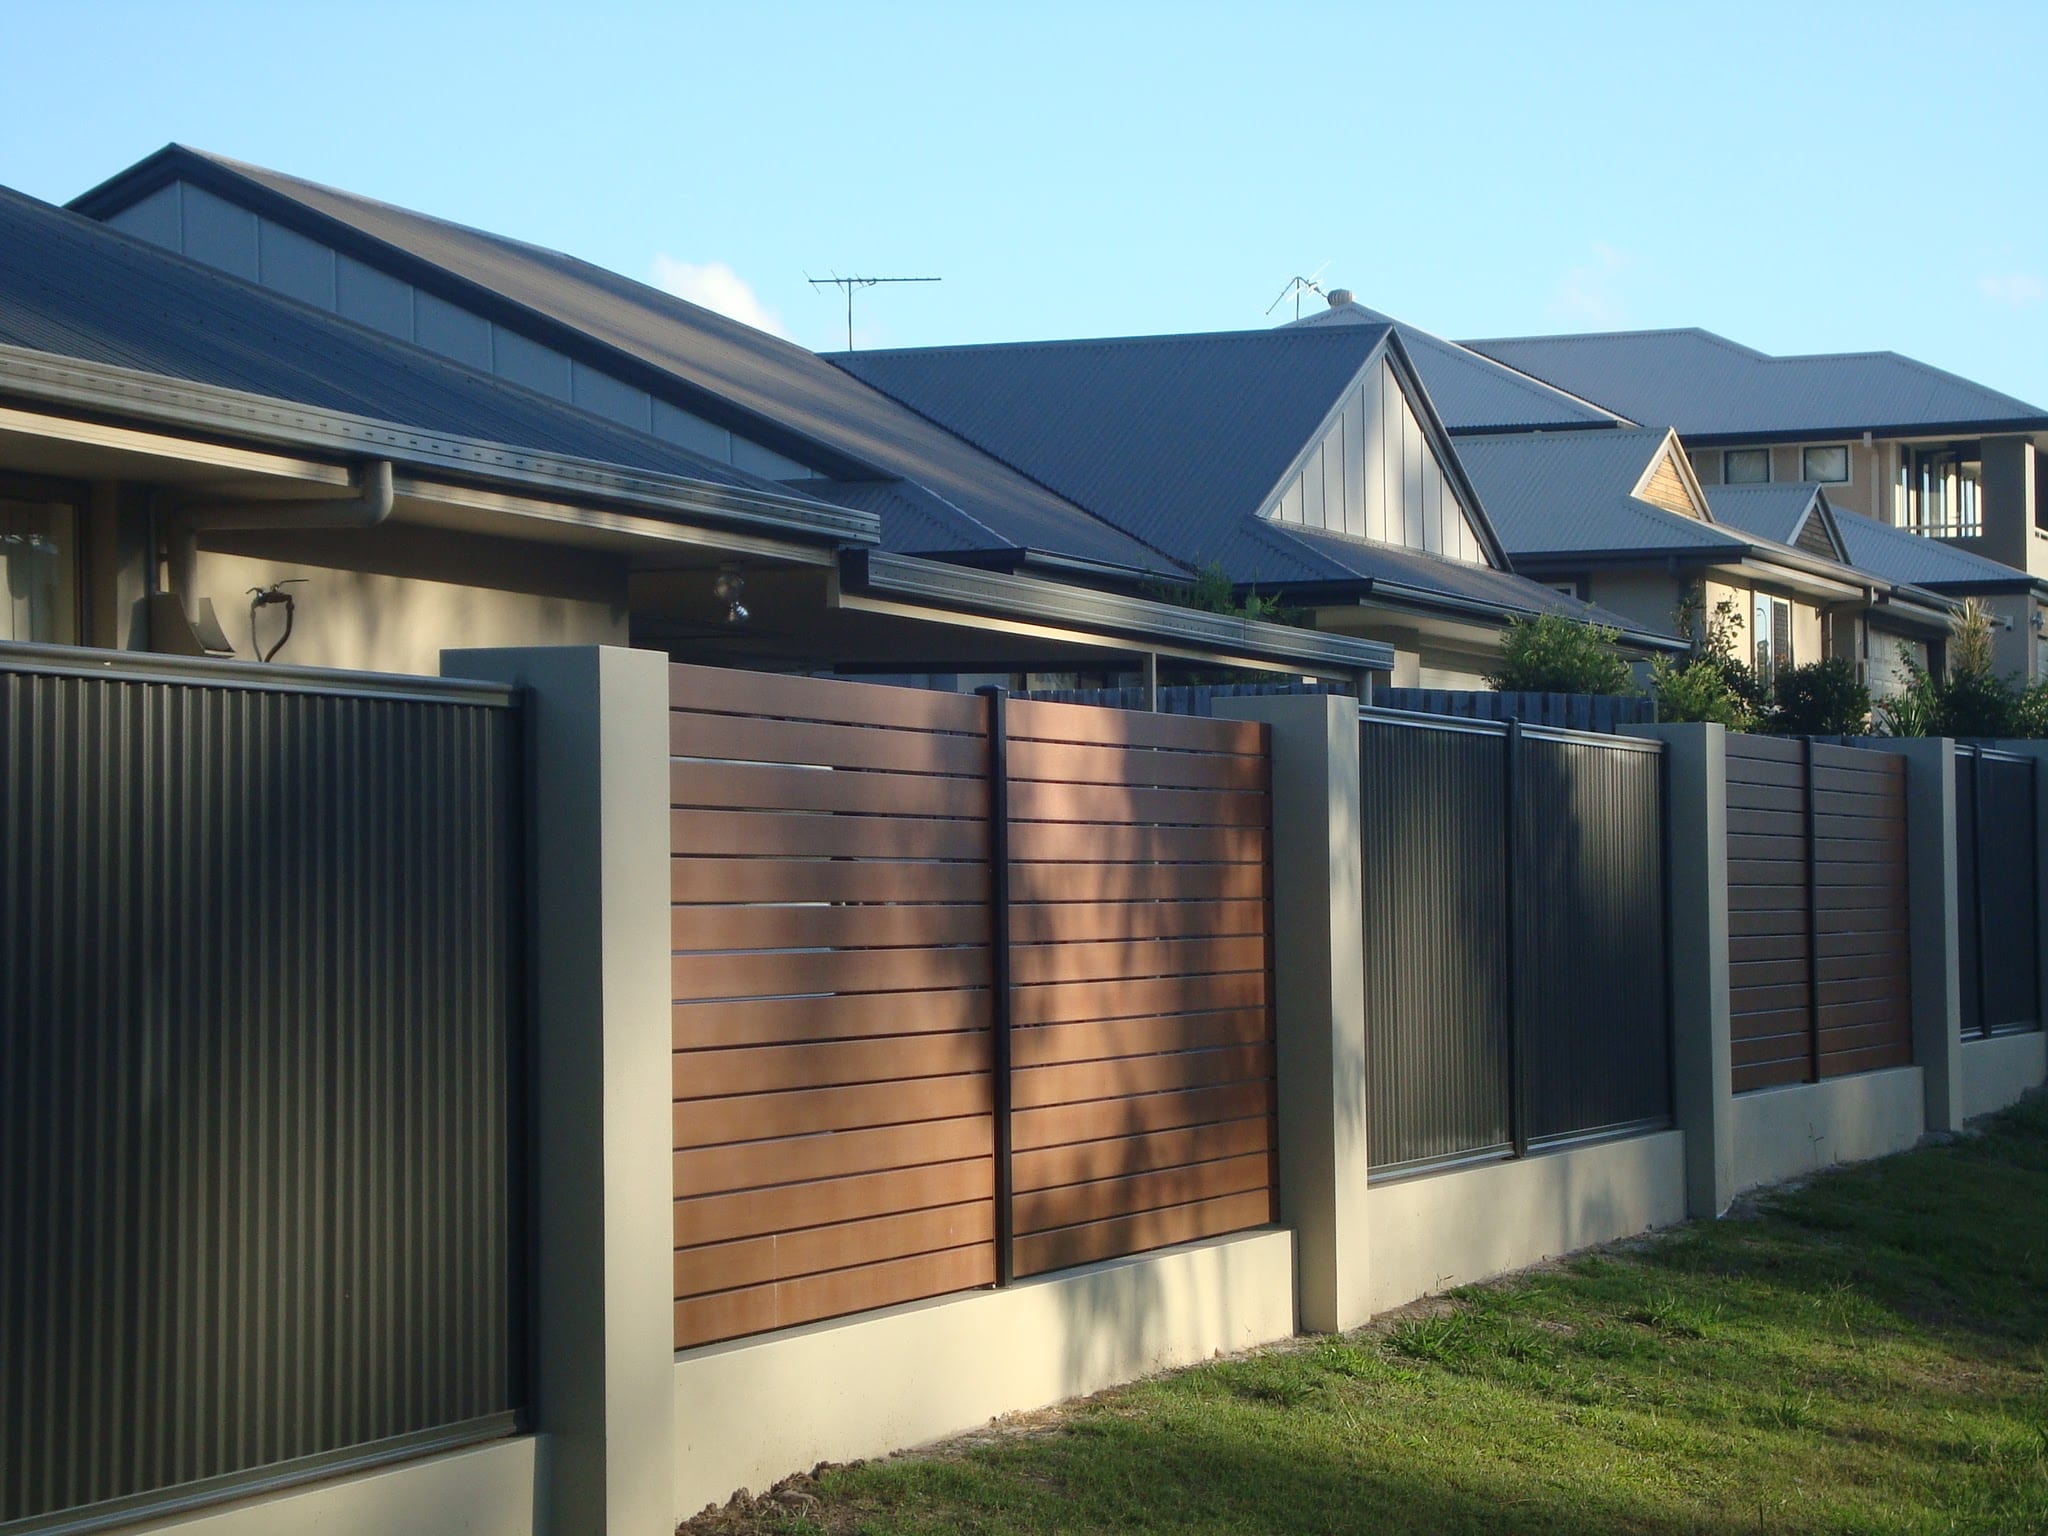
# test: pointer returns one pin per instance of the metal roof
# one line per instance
(1774, 511)
(1557, 492)
(772, 390)
(1175, 439)
(1471, 393)
(1708, 386)
(76, 289)
(1897, 555)
(1181, 440)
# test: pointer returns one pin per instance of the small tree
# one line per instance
(1822, 698)
(1970, 701)
(1713, 684)
(1556, 653)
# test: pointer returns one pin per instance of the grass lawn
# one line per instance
(1862, 1354)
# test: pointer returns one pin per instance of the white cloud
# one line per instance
(1590, 293)
(2016, 289)
(716, 286)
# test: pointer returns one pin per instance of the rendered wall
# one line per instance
(488, 1491)
(1998, 1071)
(385, 623)
(753, 1411)
(1435, 1231)
(1782, 1133)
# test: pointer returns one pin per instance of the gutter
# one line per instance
(1418, 597)
(1140, 621)
(207, 411)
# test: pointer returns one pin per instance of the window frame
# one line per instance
(1728, 455)
(33, 490)
(1848, 476)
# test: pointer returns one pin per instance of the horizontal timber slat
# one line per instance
(799, 835)
(718, 689)
(778, 973)
(1112, 961)
(859, 1108)
(1096, 881)
(1041, 720)
(699, 881)
(784, 1304)
(1099, 1039)
(1077, 1204)
(800, 1159)
(1119, 806)
(749, 786)
(848, 1015)
(828, 1064)
(1075, 1002)
(1082, 1162)
(790, 1207)
(1043, 922)
(1065, 763)
(1104, 1118)
(1144, 1230)
(735, 738)
(787, 1255)
(873, 926)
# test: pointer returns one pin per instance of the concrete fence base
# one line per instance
(1998, 1071)
(751, 1412)
(1435, 1231)
(1782, 1133)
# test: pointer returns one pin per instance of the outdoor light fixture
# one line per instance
(727, 588)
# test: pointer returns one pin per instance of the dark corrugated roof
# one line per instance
(788, 397)
(1175, 439)
(1772, 511)
(1471, 393)
(1553, 492)
(1389, 565)
(1708, 386)
(1896, 555)
(1182, 439)
(74, 288)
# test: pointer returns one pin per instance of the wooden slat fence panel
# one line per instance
(1143, 1047)
(1818, 984)
(833, 1020)
(835, 964)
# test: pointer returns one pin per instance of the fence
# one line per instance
(1819, 974)
(966, 988)
(260, 970)
(1996, 898)
(1515, 941)
(1566, 711)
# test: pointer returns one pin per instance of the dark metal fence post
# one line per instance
(1511, 874)
(1977, 888)
(1812, 923)
(999, 978)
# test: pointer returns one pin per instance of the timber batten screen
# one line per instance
(1819, 980)
(837, 924)
(260, 1138)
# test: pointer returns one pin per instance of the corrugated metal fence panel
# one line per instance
(1140, 919)
(1769, 997)
(1863, 1003)
(1433, 808)
(1589, 921)
(1564, 711)
(833, 1007)
(1996, 838)
(261, 995)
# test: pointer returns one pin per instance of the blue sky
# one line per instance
(1799, 177)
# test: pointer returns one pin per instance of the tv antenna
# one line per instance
(1296, 287)
(851, 283)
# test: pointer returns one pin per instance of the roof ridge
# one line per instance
(1264, 333)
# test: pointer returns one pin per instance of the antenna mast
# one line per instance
(851, 283)
(1296, 287)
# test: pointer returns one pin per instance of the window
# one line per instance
(1771, 633)
(1746, 466)
(38, 572)
(1941, 491)
(1830, 466)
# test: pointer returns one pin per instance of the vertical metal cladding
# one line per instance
(1470, 937)
(258, 1013)
(1997, 899)
(1432, 807)
(1591, 965)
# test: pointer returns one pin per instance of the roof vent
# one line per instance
(1339, 297)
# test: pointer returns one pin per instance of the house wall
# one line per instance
(1651, 598)
(1871, 472)
(371, 621)
(210, 229)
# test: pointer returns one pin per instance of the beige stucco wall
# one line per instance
(1871, 469)
(390, 623)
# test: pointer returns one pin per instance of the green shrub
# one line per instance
(1699, 690)
(1822, 698)
(1556, 653)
